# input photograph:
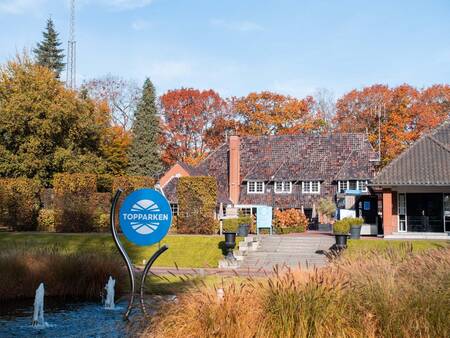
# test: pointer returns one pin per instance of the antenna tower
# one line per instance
(71, 50)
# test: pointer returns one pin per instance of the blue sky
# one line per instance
(240, 46)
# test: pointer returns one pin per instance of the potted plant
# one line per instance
(244, 223)
(355, 227)
(326, 208)
(341, 229)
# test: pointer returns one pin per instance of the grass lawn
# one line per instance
(355, 246)
(184, 250)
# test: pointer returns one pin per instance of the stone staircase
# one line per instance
(304, 251)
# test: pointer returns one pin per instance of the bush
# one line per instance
(197, 198)
(102, 222)
(19, 203)
(46, 220)
(326, 207)
(341, 227)
(290, 220)
(105, 183)
(131, 183)
(74, 202)
(354, 221)
(230, 224)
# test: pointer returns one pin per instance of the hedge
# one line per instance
(19, 203)
(197, 198)
(74, 202)
(130, 183)
(290, 220)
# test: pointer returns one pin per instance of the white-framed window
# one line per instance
(255, 187)
(342, 186)
(174, 207)
(283, 187)
(311, 187)
(362, 185)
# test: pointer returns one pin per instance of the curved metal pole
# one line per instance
(145, 272)
(122, 251)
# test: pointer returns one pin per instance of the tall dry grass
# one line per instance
(397, 293)
(73, 275)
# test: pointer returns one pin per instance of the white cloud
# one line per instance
(140, 24)
(19, 6)
(241, 26)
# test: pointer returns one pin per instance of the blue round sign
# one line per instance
(145, 217)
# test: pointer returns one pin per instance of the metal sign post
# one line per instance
(144, 218)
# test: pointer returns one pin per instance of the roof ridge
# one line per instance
(431, 137)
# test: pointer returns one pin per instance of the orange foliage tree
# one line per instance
(268, 113)
(189, 115)
(404, 111)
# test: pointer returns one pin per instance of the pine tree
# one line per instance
(47, 52)
(144, 155)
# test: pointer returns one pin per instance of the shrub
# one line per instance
(46, 220)
(74, 202)
(19, 203)
(105, 183)
(354, 221)
(197, 198)
(102, 222)
(130, 183)
(341, 227)
(326, 207)
(230, 224)
(290, 220)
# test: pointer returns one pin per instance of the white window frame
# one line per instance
(255, 187)
(340, 185)
(307, 188)
(358, 185)
(286, 187)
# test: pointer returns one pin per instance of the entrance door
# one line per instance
(424, 212)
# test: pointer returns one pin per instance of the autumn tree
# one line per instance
(48, 53)
(400, 115)
(189, 116)
(45, 128)
(121, 95)
(144, 154)
(268, 113)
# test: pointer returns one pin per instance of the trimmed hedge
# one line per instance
(46, 220)
(197, 198)
(291, 220)
(19, 203)
(74, 202)
(130, 183)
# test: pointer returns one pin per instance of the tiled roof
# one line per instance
(291, 157)
(426, 162)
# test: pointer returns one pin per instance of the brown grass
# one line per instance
(396, 293)
(74, 275)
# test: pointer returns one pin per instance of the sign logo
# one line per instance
(145, 217)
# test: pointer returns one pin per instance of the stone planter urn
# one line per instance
(230, 244)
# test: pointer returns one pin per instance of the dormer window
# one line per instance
(360, 185)
(311, 187)
(255, 187)
(283, 187)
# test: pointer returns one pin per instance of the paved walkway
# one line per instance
(304, 251)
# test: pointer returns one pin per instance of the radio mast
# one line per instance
(71, 50)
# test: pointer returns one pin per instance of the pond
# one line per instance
(75, 319)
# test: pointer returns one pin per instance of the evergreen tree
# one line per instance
(48, 53)
(144, 154)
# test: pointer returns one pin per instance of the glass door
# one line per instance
(402, 213)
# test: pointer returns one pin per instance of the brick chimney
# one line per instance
(234, 169)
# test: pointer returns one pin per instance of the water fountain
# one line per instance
(38, 314)
(109, 287)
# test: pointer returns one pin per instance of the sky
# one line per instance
(236, 47)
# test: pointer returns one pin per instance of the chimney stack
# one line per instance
(234, 168)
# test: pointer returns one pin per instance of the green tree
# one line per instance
(144, 154)
(47, 52)
(45, 128)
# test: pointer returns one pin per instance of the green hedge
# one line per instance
(19, 203)
(74, 202)
(130, 183)
(197, 198)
